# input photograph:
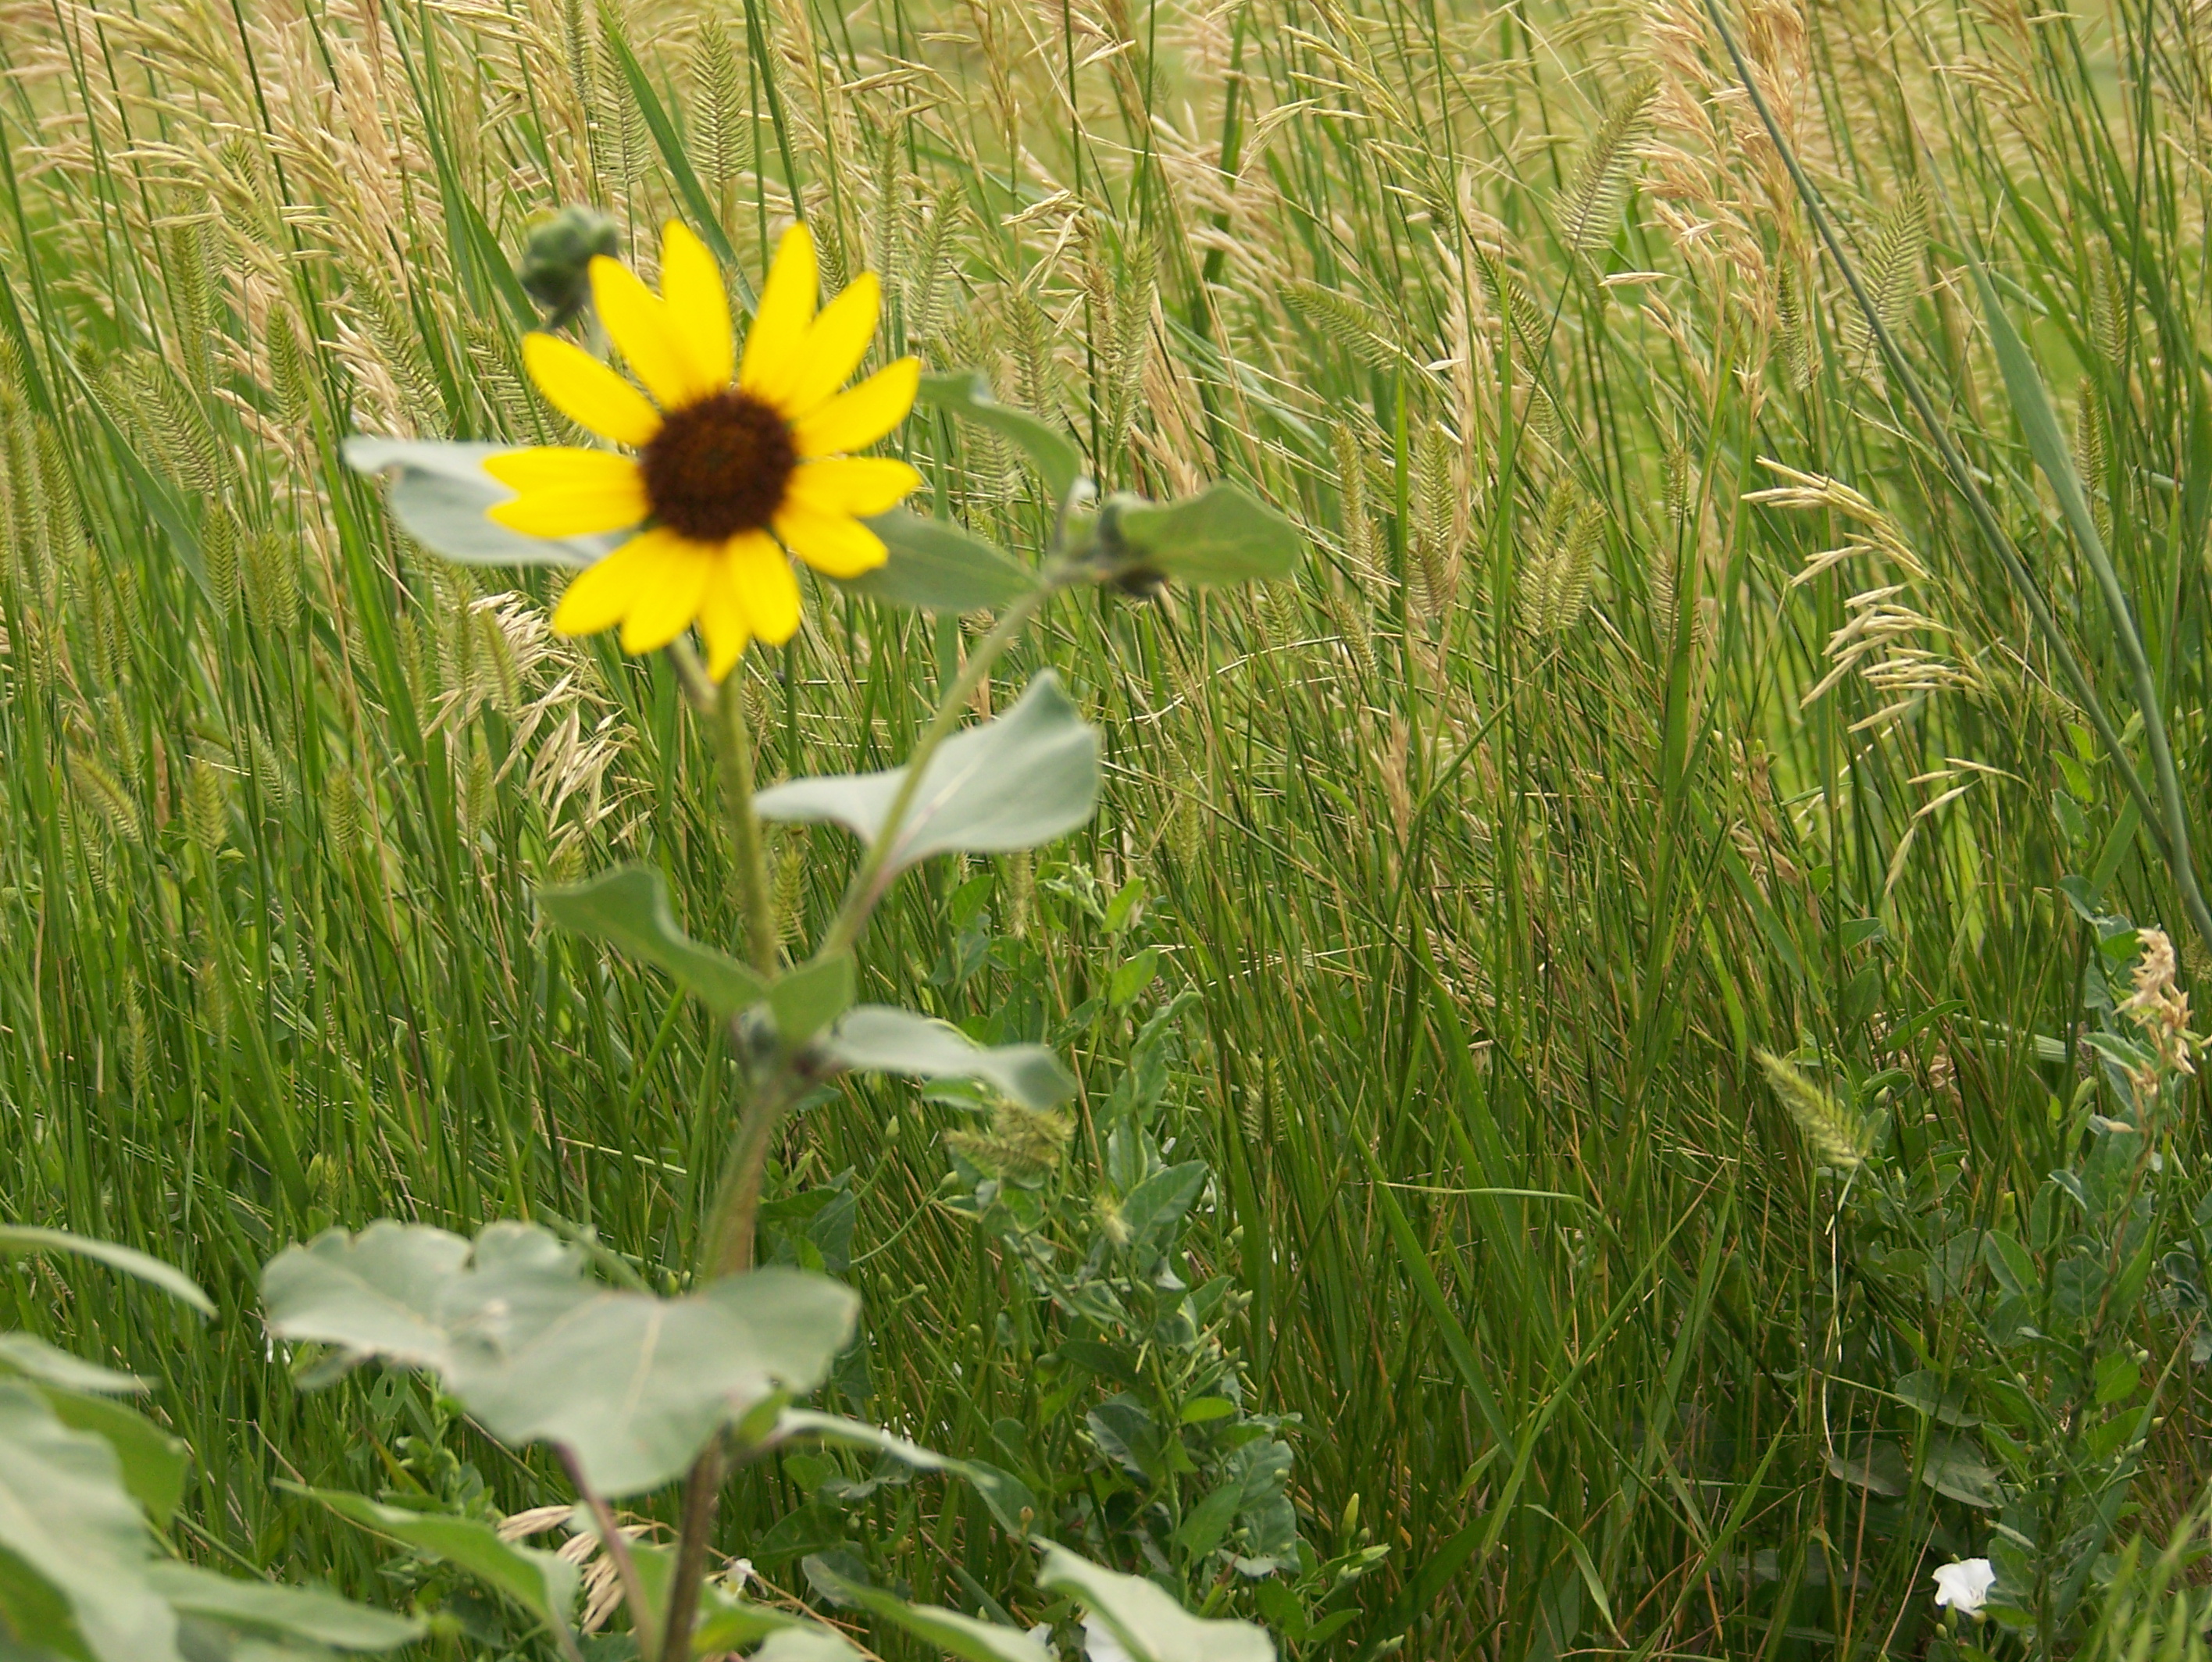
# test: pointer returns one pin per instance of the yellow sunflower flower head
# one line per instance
(736, 461)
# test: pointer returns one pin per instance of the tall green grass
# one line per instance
(1492, 850)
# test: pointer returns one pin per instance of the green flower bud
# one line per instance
(556, 261)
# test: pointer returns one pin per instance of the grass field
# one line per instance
(1650, 696)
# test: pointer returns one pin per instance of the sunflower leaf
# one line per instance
(296, 1612)
(878, 1038)
(1006, 1495)
(966, 393)
(937, 567)
(539, 1582)
(1222, 534)
(631, 1384)
(947, 1630)
(628, 908)
(1152, 1626)
(439, 494)
(28, 1238)
(1022, 779)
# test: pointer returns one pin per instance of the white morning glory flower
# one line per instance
(1965, 1585)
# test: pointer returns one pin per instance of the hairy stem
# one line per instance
(736, 743)
(617, 1550)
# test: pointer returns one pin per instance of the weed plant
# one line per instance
(1651, 699)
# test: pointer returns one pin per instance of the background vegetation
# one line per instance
(1648, 699)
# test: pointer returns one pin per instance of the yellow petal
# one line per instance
(559, 465)
(598, 596)
(664, 608)
(836, 343)
(645, 332)
(691, 285)
(764, 583)
(578, 510)
(722, 621)
(855, 420)
(587, 392)
(859, 485)
(835, 544)
(786, 306)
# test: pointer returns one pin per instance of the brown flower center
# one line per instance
(718, 467)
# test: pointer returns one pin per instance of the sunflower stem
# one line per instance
(737, 760)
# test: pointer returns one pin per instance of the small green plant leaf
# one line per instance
(295, 1612)
(811, 996)
(34, 1359)
(1022, 779)
(628, 908)
(935, 566)
(880, 1039)
(439, 493)
(948, 1630)
(1151, 1626)
(152, 1464)
(1006, 1495)
(1155, 1208)
(1879, 1467)
(1955, 1466)
(27, 1238)
(631, 1384)
(1223, 535)
(74, 1546)
(966, 393)
(539, 1582)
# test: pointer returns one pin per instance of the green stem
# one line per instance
(737, 747)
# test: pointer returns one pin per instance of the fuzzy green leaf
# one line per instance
(27, 1238)
(935, 566)
(880, 1039)
(74, 1546)
(966, 393)
(1223, 535)
(1023, 778)
(296, 1612)
(811, 996)
(1151, 1626)
(152, 1464)
(1008, 1497)
(541, 1583)
(439, 493)
(628, 908)
(946, 1629)
(33, 1358)
(633, 1385)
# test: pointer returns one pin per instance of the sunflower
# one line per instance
(736, 461)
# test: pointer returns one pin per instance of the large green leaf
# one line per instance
(74, 1546)
(948, 1630)
(296, 1612)
(1151, 1626)
(1023, 778)
(1222, 534)
(28, 1238)
(811, 996)
(937, 567)
(633, 1385)
(628, 908)
(807, 1644)
(1005, 1494)
(439, 493)
(152, 1464)
(540, 1582)
(880, 1039)
(967, 394)
(33, 1358)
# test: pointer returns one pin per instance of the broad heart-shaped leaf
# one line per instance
(1151, 1627)
(295, 1612)
(947, 1630)
(1222, 534)
(74, 1546)
(937, 567)
(1005, 1494)
(967, 394)
(540, 1582)
(628, 908)
(439, 494)
(1023, 778)
(27, 1238)
(631, 1384)
(880, 1039)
